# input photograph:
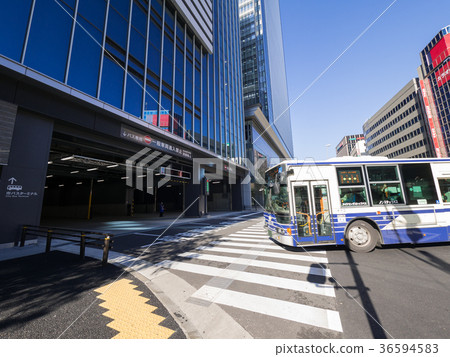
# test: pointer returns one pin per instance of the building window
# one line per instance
(49, 38)
(13, 21)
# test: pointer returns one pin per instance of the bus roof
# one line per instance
(360, 160)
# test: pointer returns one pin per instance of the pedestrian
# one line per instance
(161, 209)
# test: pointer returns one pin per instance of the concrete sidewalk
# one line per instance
(57, 295)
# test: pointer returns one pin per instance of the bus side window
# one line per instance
(444, 185)
(419, 184)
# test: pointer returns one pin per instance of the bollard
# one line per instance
(49, 241)
(106, 250)
(24, 234)
(82, 245)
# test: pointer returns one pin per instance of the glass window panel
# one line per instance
(178, 121)
(197, 129)
(139, 20)
(85, 59)
(122, 6)
(353, 196)
(93, 11)
(444, 185)
(118, 27)
(133, 100)
(13, 21)
(382, 173)
(386, 193)
(169, 20)
(112, 83)
(180, 31)
(188, 125)
(157, 7)
(137, 46)
(419, 184)
(165, 120)
(168, 73)
(49, 38)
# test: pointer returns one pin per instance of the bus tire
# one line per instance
(361, 237)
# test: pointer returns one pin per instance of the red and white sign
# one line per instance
(441, 51)
(430, 120)
(443, 75)
(147, 139)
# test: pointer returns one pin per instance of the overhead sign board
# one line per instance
(153, 142)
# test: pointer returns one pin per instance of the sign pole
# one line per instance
(90, 200)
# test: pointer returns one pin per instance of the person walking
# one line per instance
(161, 209)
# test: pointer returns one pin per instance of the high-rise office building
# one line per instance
(87, 84)
(399, 128)
(347, 144)
(268, 133)
(268, 123)
(434, 76)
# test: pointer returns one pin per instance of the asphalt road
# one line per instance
(395, 292)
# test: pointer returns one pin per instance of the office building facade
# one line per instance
(434, 76)
(399, 128)
(347, 144)
(264, 80)
(268, 133)
(85, 85)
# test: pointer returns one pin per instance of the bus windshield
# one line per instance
(277, 195)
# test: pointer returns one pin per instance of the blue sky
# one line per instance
(315, 33)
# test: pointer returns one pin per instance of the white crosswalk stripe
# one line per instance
(284, 283)
(284, 256)
(249, 256)
(259, 263)
(305, 314)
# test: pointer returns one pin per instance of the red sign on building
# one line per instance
(441, 51)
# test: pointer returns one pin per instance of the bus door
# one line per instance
(313, 212)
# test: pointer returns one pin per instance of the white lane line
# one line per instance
(250, 240)
(247, 235)
(146, 234)
(255, 278)
(259, 264)
(269, 245)
(252, 233)
(272, 307)
(284, 256)
(254, 229)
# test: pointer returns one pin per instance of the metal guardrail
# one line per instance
(84, 238)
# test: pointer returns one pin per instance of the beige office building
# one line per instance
(399, 128)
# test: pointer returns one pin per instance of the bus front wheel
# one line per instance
(361, 237)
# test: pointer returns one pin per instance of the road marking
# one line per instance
(132, 316)
(259, 263)
(255, 278)
(250, 240)
(248, 245)
(284, 256)
(253, 233)
(247, 235)
(304, 314)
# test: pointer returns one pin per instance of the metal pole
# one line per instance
(82, 245)
(24, 234)
(49, 241)
(90, 200)
(106, 250)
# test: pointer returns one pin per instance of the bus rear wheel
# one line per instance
(361, 237)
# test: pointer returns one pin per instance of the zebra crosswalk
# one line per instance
(245, 266)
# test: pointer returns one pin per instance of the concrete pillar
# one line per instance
(23, 179)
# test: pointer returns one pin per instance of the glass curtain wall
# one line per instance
(141, 57)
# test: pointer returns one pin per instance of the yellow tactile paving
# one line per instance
(132, 316)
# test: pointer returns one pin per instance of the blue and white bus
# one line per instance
(360, 202)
